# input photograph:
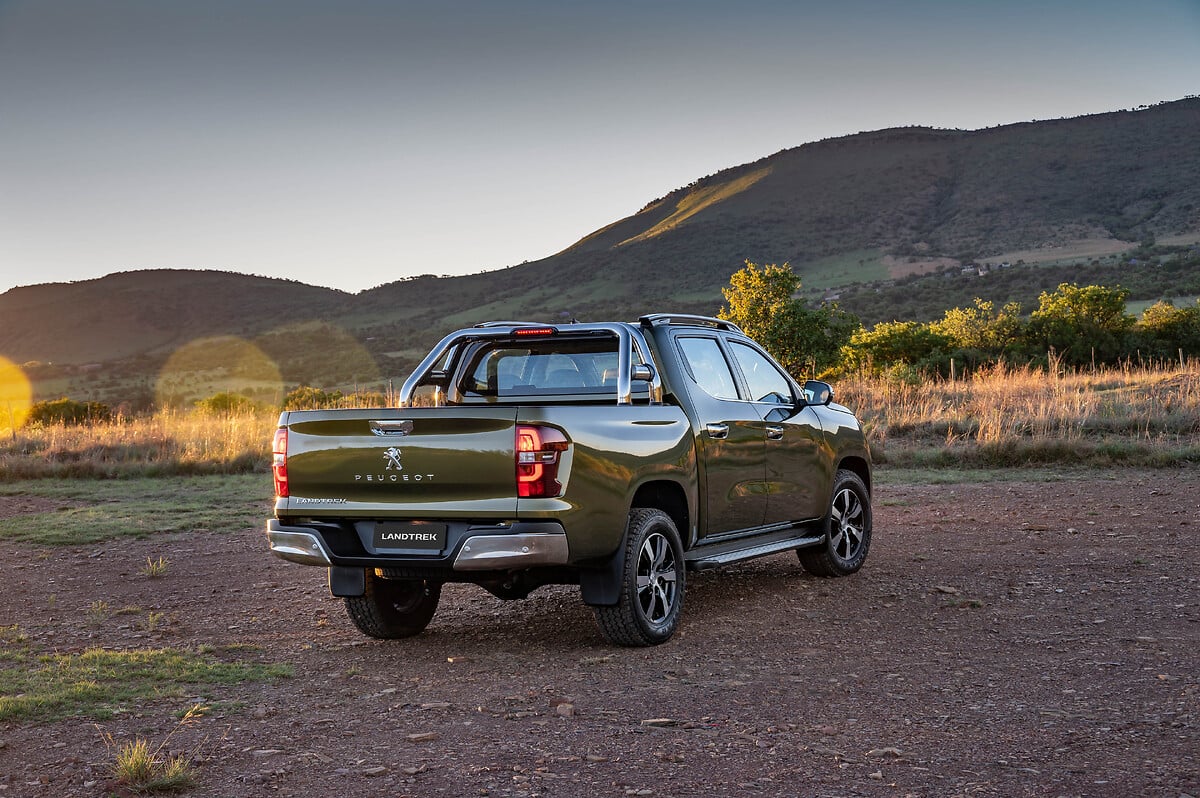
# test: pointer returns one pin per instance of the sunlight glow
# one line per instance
(16, 396)
(225, 364)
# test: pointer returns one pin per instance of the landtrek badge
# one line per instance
(392, 456)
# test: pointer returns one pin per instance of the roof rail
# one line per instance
(689, 319)
(513, 324)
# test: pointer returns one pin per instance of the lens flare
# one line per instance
(16, 396)
(210, 366)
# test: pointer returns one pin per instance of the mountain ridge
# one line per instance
(858, 209)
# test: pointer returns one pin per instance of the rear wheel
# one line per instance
(393, 608)
(845, 547)
(652, 584)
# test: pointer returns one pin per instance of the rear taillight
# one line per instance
(539, 451)
(279, 462)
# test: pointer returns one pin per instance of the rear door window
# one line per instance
(708, 366)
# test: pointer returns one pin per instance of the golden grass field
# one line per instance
(1006, 416)
(1003, 416)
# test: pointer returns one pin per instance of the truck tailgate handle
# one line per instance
(774, 433)
(717, 430)
(402, 427)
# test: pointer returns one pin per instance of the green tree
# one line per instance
(893, 343)
(761, 300)
(1081, 323)
(1165, 329)
(982, 327)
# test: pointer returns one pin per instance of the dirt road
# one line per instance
(1012, 638)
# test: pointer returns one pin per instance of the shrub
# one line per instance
(227, 404)
(68, 412)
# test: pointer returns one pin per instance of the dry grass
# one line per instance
(167, 443)
(1018, 416)
(1000, 417)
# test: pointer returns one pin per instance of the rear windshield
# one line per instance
(546, 366)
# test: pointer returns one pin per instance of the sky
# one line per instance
(353, 143)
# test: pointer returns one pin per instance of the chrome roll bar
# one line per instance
(628, 339)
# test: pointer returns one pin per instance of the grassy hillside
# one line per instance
(146, 312)
(874, 210)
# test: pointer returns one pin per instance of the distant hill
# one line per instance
(144, 312)
(864, 209)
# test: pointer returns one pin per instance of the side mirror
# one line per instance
(817, 392)
(642, 372)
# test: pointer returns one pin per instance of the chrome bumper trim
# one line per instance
(492, 552)
(301, 547)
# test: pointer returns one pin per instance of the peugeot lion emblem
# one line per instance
(392, 456)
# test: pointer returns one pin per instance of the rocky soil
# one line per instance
(1006, 639)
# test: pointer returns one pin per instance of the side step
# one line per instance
(716, 555)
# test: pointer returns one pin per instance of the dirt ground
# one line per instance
(1011, 638)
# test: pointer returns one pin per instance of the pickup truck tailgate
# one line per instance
(446, 462)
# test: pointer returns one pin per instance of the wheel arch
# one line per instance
(670, 497)
(859, 466)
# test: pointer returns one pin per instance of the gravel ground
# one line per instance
(1011, 638)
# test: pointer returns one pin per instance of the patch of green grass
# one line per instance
(100, 683)
(859, 266)
(145, 769)
(1138, 306)
(137, 507)
(156, 569)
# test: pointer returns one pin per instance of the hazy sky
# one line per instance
(352, 143)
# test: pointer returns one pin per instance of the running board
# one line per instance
(717, 555)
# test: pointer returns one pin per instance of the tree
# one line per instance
(982, 327)
(804, 340)
(1165, 329)
(1081, 323)
(898, 342)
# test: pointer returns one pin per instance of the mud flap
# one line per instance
(601, 586)
(347, 582)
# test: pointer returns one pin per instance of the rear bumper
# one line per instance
(486, 548)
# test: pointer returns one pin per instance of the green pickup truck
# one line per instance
(615, 456)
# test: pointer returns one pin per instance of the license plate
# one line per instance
(410, 536)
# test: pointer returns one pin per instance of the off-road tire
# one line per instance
(849, 537)
(649, 614)
(393, 608)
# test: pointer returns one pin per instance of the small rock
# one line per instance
(423, 737)
(889, 751)
(266, 752)
(877, 775)
(660, 722)
(595, 758)
(378, 770)
(951, 591)
(259, 712)
(565, 710)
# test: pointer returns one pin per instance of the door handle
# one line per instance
(381, 428)
(717, 430)
(774, 433)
